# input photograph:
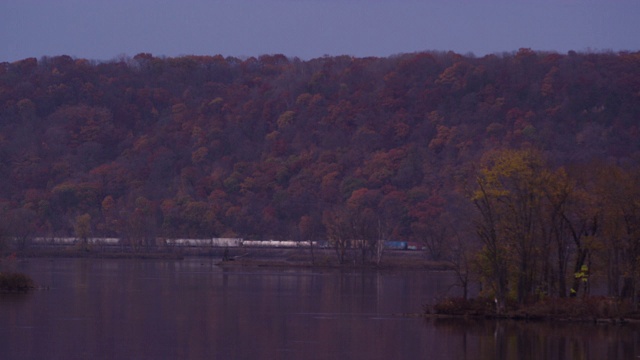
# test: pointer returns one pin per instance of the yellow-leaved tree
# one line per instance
(509, 195)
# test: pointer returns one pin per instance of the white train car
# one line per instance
(73, 240)
(212, 242)
(103, 241)
(276, 243)
(226, 242)
(54, 240)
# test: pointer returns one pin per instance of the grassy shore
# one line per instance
(591, 309)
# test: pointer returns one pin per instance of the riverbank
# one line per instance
(597, 309)
(247, 256)
(326, 258)
(72, 252)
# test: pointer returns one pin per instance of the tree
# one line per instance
(620, 235)
(141, 224)
(461, 250)
(583, 223)
(366, 224)
(494, 262)
(509, 197)
(20, 225)
(561, 206)
(109, 223)
(308, 230)
(82, 228)
(431, 225)
(339, 232)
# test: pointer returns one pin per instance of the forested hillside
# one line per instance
(279, 148)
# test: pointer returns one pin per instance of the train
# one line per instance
(211, 242)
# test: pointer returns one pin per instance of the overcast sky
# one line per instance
(105, 29)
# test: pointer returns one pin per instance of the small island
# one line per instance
(12, 282)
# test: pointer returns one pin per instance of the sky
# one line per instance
(105, 30)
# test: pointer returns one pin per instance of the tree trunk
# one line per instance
(580, 261)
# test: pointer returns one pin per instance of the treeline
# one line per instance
(547, 230)
(271, 147)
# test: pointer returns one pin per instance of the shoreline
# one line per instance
(547, 318)
(249, 257)
(590, 309)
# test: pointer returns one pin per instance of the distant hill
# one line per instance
(275, 148)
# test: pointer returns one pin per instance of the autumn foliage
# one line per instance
(275, 148)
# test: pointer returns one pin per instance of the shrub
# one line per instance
(589, 308)
(15, 282)
(460, 306)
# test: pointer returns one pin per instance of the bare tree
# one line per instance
(339, 232)
(82, 228)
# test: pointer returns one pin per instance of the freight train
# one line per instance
(210, 242)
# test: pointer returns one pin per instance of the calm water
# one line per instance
(192, 309)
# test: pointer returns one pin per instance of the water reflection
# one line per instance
(490, 339)
(193, 309)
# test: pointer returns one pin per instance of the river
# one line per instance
(194, 309)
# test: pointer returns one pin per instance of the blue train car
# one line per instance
(396, 245)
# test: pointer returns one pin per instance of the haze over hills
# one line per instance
(274, 147)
